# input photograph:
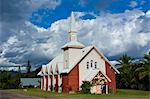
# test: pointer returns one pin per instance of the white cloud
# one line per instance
(143, 39)
(114, 34)
(133, 4)
(52, 4)
(148, 13)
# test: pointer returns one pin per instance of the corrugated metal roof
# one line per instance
(73, 44)
(30, 81)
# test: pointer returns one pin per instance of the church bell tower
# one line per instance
(72, 49)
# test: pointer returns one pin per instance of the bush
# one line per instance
(86, 86)
(7, 81)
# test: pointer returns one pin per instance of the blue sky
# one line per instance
(97, 7)
(37, 29)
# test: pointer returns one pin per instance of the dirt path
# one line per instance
(8, 95)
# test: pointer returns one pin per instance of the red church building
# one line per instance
(76, 64)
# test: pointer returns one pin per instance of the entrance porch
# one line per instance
(99, 84)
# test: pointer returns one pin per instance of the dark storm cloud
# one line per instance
(14, 10)
(13, 17)
(13, 13)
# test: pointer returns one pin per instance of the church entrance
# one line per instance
(99, 84)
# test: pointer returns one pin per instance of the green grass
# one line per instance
(121, 94)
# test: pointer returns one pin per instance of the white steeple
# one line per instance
(72, 29)
(73, 42)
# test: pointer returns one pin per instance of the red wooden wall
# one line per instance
(111, 74)
(70, 82)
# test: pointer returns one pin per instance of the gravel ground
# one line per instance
(8, 95)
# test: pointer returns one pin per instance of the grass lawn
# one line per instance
(121, 94)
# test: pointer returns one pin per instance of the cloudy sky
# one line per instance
(35, 30)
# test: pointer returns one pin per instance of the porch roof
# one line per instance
(93, 73)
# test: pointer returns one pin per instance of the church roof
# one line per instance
(56, 63)
(53, 66)
(73, 44)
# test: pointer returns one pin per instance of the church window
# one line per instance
(87, 65)
(60, 76)
(91, 63)
(95, 64)
(57, 71)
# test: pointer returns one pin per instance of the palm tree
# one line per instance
(143, 72)
(146, 60)
(126, 71)
(144, 69)
(125, 60)
(134, 75)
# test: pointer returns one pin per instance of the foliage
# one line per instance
(7, 80)
(86, 87)
(134, 75)
(125, 60)
(11, 79)
(32, 74)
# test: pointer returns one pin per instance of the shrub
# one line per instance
(86, 86)
(7, 80)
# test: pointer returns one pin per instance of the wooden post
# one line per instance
(106, 89)
(41, 82)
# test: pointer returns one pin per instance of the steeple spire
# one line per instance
(72, 23)
(72, 29)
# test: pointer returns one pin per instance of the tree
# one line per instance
(125, 60)
(134, 75)
(143, 72)
(126, 71)
(28, 67)
(7, 80)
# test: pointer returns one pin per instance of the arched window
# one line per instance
(91, 63)
(95, 64)
(87, 65)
